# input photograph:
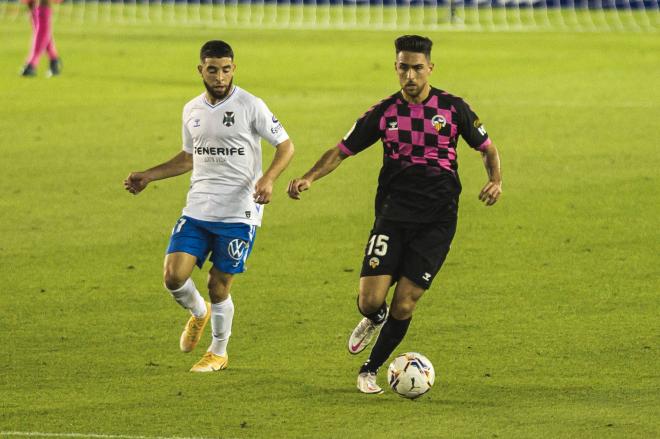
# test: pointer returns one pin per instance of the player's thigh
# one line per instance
(219, 284)
(189, 245)
(404, 301)
(383, 252)
(232, 245)
(426, 249)
(380, 264)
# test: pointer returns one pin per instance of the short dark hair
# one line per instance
(414, 43)
(216, 49)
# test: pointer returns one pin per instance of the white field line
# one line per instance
(4, 434)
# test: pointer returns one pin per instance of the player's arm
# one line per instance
(328, 162)
(474, 133)
(177, 165)
(263, 190)
(493, 189)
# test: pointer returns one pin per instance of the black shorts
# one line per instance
(416, 251)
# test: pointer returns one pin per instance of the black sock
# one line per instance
(377, 316)
(389, 338)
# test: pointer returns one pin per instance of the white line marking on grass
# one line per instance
(89, 435)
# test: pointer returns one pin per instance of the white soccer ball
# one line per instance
(411, 375)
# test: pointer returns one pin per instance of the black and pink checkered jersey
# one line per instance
(419, 178)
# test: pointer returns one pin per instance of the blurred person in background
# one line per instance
(42, 38)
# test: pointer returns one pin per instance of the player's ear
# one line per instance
(431, 65)
(199, 68)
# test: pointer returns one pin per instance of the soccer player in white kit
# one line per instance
(222, 129)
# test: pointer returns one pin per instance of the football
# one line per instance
(411, 375)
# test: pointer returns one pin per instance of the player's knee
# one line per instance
(369, 303)
(219, 285)
(218, 296)
(218, 291)
(403, 309)
(172, 279)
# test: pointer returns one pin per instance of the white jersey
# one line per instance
(225, 141)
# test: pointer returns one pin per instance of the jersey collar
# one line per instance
(432, 92)
(208, 104)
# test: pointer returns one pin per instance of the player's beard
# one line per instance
(414, 92)
(215, 94)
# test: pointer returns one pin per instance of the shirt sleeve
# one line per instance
(471, 128)
(267, 125)
(186, 137)
(364, 133)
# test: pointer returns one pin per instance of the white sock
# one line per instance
(222, 315)
(188, 297)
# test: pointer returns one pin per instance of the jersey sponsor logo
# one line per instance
(374, 262)
(277, 126)
(236, 248)
(439, 122)
(228, 120)
(427, 277)
(219, 150)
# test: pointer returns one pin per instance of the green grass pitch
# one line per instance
(543, 323)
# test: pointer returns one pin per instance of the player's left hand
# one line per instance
(491, 192)
(263, 190)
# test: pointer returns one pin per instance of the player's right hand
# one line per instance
(136, 182)
(297, 186)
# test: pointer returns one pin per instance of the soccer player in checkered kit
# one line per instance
(222, 130)
(416, 201)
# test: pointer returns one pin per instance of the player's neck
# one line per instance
(213, 100)
(420, 97)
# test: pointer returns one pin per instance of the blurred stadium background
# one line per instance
(429, 15)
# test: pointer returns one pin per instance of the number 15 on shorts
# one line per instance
(377, 245)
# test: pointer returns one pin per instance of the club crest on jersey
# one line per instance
(374, 262)
(236, 248)
(439, 122)
(196, 123)
(228, 120)
(392, 125)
